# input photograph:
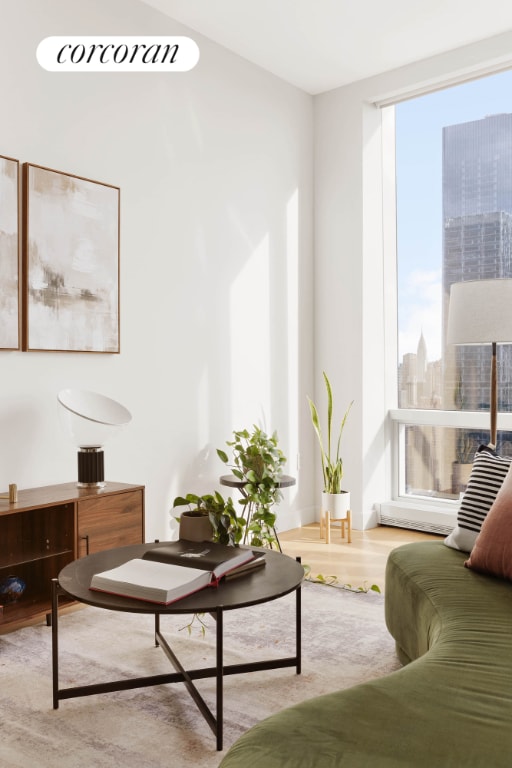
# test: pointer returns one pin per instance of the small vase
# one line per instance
(195, 527)
(11, 589)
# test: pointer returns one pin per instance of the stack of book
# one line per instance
(175, 570)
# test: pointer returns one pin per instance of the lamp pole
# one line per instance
(494, 397)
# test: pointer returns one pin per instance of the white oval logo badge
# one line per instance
(117, 54)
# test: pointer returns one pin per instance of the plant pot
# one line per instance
(195, 527)
(460, 476)
(337, 504)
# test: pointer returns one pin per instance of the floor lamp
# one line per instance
(481, 313)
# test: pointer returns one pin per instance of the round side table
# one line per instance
(234, 482)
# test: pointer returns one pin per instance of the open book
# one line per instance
(174, 570)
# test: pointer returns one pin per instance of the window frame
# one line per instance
(440, 512)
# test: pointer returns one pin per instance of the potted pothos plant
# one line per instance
(335, 499)
(209, 517)
(257, 461)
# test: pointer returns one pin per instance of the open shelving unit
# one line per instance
(48, 527)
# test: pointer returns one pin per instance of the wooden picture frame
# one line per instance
(10, 283)
(70, 262)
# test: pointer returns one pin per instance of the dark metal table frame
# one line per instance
(73, 582)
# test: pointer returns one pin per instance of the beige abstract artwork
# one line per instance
(71, 261)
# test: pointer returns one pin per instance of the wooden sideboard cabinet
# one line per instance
(48, 527)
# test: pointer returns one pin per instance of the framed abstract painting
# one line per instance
(9, 254)
(70, 263)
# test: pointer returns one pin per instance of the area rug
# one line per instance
(344, 642)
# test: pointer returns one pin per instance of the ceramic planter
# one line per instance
(460, 476)
(195, 526)
(335, 506)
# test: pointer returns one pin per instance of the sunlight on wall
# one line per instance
(292, 268)
(203, 410)
(250, 341)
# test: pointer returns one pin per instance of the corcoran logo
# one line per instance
(117, 54)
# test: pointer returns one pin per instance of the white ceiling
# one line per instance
(322, 44)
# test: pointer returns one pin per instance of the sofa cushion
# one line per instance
(487, 476)
(492, 552)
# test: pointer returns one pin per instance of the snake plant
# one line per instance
(332, 463)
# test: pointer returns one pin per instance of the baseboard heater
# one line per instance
(401, 515)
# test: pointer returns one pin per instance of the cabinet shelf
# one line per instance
(49, 527)
(11, 613)
(10, 563)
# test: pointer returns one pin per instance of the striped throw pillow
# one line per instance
(487, 476)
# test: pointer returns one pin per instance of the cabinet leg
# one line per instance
(55, 642)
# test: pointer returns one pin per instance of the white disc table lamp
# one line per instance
(91, 419)
(481, 313)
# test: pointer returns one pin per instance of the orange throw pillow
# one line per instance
(492, 552)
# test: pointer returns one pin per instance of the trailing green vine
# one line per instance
(333, 581)
(329, 581)
(257, 462)
(197, 618)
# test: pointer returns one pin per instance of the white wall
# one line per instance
(215, 171)
(353, 296)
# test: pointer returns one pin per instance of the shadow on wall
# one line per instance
(200, 476)
(22, 422)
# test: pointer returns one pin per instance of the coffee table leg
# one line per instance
(220, 676)
(298, 625)
(298, 629)
(157, 628)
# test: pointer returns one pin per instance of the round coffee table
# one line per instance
(280, 576)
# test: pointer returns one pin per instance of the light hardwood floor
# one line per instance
(361, 562)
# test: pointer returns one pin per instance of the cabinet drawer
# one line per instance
(110, 521)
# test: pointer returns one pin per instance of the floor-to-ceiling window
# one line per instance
(453, 223)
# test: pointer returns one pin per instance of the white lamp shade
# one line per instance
(90, 418)
(480, 312)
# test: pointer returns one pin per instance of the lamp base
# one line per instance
(91, 467)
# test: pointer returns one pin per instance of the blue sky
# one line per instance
(419, 124)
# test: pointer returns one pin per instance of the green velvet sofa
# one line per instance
(449, 706)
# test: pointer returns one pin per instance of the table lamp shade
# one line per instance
(91, 419)
(480, 312)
